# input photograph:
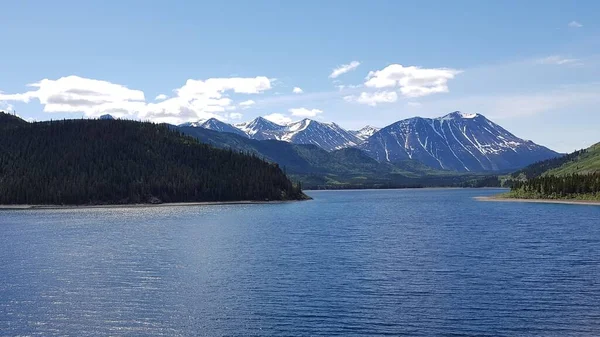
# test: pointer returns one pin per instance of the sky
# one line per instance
(531, 66)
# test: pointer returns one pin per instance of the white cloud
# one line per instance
(247, 103)
(214, 87)
(235, 115)
(342, 87)
(373, 98)
(558, 60)
(78, 94)
(575, 24)
(412, 81)
(278, 118)
(304, 112)
(197, 99)
(160, 97)
(344, 68)
(297, 90)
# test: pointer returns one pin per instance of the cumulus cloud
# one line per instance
(78, 94)
(160, 97)
(558, 60)
(196, 99)
(575, 24)
(373, 98)
(344, 68)
(297, 90)
(304, 112)
(277, 118)
(247, 103)
(412, 81)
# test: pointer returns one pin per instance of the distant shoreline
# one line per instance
(173, 204)
(403, 188)
(543, 201)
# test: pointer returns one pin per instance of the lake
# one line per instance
(418, 262)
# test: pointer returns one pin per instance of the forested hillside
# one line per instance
(541, 167)
(120, 162)
(574, 176)
(586, 162)
(10, 121)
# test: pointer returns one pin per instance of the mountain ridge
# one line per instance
(328, 136)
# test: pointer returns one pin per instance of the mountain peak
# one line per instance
(263, 121)
(460, 115)
(365, 132)
(216, 125)
(106, 117)
(456, 141)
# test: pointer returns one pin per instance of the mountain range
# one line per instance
(456, 141)
(323, 155)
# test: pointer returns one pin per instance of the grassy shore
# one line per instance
(520, 196)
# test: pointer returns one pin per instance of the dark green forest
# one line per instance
(76, 162)
(575, 186)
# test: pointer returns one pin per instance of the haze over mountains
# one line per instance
(456, 141)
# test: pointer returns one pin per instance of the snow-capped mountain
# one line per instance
(328, 136)
(365, 132)
(216, 125)
(457, 141)
(261, 129)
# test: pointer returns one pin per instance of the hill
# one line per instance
(10, 121)
(120, 162)
(586, 162)
(574, 176)
(582, 161)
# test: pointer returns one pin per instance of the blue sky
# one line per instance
(531, 66)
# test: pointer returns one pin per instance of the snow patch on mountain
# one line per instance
(216, 125)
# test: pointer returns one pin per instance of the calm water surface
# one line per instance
(395, 262)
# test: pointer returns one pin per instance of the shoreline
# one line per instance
(172, 204)
(406, 188)
(541, 201)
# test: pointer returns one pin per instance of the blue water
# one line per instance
(395, 262)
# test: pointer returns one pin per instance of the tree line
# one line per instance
(559, 186)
